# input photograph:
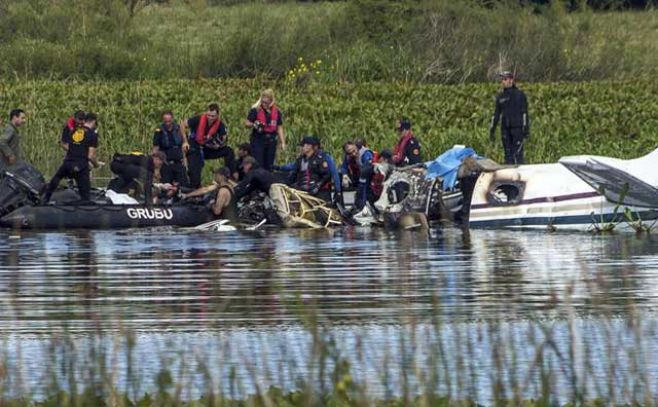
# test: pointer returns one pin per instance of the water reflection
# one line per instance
(446, 300)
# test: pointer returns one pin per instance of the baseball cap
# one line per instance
(312, 140)
(404, 124)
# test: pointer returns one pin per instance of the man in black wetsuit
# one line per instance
(80, 154)
(512, 105)
(244, 150)
(255, 179)
(150, 171)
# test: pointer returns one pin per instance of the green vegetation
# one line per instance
(439, 41)
(606, 118)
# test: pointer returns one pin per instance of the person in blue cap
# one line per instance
(512, 105)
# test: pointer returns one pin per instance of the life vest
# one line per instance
(400, 148)
(70, 123)
(271, 126)
(170, 138)
(203, 133)
(379, 175)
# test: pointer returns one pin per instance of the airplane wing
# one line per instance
(617, 185)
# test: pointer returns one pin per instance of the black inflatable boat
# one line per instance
(19, 196)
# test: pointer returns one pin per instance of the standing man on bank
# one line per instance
(512, 104)
(10, 140)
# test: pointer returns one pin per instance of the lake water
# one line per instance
(477, 314)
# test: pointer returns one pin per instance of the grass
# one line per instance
(613, 118)
(366, 40)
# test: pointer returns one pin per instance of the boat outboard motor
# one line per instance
(20, 185)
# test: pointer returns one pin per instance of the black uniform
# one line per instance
(312, 175)
(257, 179)
(67, 131)
(411, 154)
(216, 147)
(136, 167)
(512, 104)
(76, 162)
(238, 168)
(170, 142)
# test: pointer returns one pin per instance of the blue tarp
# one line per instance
(447, 164)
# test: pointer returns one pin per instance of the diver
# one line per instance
(150, 173)
(512, 105)
(255, 179)
(244, 150)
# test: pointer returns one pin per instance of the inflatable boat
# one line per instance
(20, 188)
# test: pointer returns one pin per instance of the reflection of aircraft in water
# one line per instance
(523, 273)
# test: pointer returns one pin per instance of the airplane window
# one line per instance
(505, 194)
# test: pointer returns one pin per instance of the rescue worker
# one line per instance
(151, 171)
(80, 153)
(311, 172)
(169, 139)
(335, 175)
(74, 122)
(244, 150)
(364, 158)
(255, 179)
(208, 141)
(512, 104)
(407, 151)
(10, 140)
(349, 169)
(224, 202)
(381, 170)
(266, 121)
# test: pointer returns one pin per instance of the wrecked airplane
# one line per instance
(577, 193)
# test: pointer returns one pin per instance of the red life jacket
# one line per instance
(271, 126)
(398, 152)
(203, 134)
(353, 167)
(377, 184)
